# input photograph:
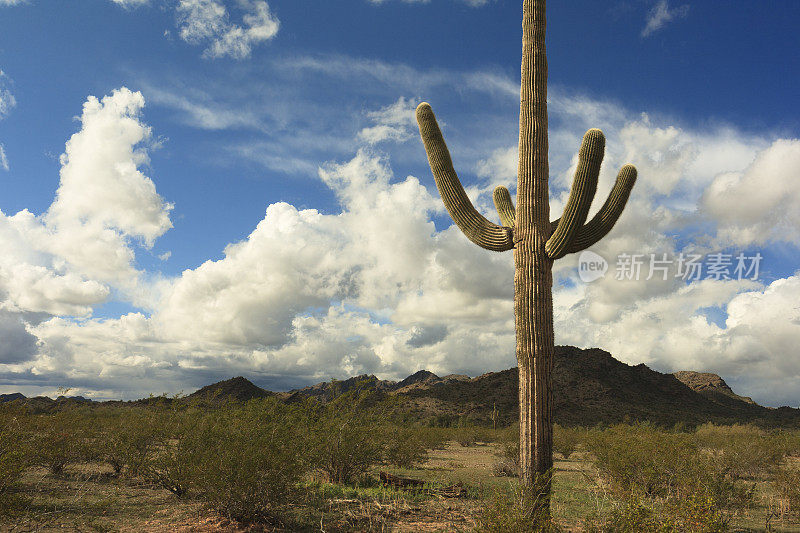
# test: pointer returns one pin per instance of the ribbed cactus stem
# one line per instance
(533, 278)
(584, 185)
(504, 205)
(536, 241)
(599, 226)
(475, 226)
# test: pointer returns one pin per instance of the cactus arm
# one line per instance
(504, 205)
(584, 185)
(475, 226)
(604, 220)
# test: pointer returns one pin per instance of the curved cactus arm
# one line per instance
(475, 226)
(505, 207)
(584, 185)
(604, 220)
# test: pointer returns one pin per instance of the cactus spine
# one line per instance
(536, 241)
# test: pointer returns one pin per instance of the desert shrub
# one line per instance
(14, 454)
(245, 460)
(433, 438)
(518, 510)
(170, 459)
(696, 513)
(487, 434)
(667, 473)
(638, 515)
(791, 442)
(508, 460)
(630, 516)
(344, 443)
(465, 436)
(509, 433)
(64, 437)
(741, 451)
(787, 486)
(404, 447)
(643, 460)
(566, 440)
(127, 435)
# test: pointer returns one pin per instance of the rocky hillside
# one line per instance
(237, 388)
(709, 385)
(590, 387)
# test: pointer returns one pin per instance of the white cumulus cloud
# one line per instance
(759, 203)
(68, 259)
(375, 287)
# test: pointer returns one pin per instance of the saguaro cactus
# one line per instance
(536, 241)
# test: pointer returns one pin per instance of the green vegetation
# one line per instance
(14, 456)
(518, 510)
(294, 466)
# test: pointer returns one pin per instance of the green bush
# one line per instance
(433, 438)
(668, 474)
(404, 447)
(171, 458)
(344, 443)
(643, 460)
(65, 437)
(566, 440)
(508, 462)
(741, 451)
(466, 436)
(631, 516)
(637, 515)
(127, 436)
(518, 510)
(245, 461)
(787, 485)
(14, 453)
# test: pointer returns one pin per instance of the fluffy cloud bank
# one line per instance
(376, 287)
(70, 258)
(759, 204)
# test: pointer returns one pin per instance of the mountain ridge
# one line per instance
(589, 385)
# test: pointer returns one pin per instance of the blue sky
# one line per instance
(194, 189)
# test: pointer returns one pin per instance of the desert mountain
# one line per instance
(237, 388)
(330, 389)
(710, 385)
(589, 387)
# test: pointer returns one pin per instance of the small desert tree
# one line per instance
(536, 241)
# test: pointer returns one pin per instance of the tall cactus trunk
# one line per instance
(536, 241)
(533, 280)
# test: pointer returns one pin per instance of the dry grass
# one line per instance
(90, 498)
